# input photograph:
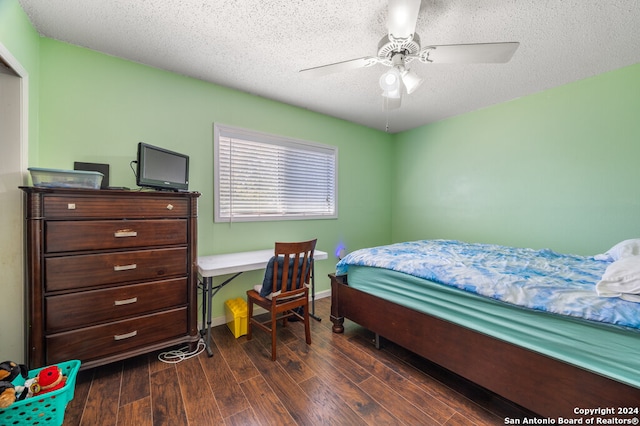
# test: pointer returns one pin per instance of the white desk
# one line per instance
(237, 263)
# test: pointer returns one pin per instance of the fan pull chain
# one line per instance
(386, 101)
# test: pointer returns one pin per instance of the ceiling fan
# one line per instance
(402, 45)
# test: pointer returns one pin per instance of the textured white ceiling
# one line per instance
(258, 46)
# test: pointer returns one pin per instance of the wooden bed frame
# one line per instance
(546, 386)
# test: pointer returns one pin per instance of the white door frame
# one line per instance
(9, 59)
(15, 82)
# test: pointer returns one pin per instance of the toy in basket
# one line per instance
(9, 370)
(49, 388)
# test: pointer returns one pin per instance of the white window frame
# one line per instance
(272, 143)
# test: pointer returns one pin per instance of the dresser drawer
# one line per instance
(66, 236)
(74, 272)
(78, 310)
(75, 207)
(104, 340)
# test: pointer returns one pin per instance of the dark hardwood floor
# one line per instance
(338, 379)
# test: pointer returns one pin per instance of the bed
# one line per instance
(551, 332)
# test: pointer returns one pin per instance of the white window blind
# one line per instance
(267, 177)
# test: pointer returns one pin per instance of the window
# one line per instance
(258, 176)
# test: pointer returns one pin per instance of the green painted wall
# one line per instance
(18, 36)
(96, 108)
(556, 169)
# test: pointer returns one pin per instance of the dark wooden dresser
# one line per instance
(110, 274)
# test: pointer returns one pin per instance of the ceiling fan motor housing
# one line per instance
(388, 48)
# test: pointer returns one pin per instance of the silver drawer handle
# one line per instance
(125, 301)
(125, 233)
(126, 335)
(124, 267)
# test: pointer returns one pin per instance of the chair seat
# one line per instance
(279, 304)
(258, 287)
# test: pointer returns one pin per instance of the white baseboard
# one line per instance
(323, 294)
(258, 310)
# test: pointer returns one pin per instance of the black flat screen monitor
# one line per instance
(162, 169)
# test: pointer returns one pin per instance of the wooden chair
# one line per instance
(287, 282)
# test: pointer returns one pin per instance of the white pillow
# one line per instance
(621, 250)
(621, 278)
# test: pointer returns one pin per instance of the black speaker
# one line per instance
(94, 167)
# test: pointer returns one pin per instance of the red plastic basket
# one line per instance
(47, 409)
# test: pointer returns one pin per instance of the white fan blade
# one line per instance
(340, 66)
(402, 16)
(469, 53)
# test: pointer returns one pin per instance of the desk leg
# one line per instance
(206, 304)
(203, 323)
(312, 314)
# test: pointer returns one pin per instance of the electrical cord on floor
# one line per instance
(179, 355)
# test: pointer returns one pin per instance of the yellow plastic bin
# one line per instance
(236, 315)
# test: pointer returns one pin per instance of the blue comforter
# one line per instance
(537, 279)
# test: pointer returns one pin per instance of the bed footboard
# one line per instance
(541, 384)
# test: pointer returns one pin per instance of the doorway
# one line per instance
(12, 175)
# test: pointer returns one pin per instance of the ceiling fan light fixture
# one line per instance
(411, 81)
(392, 94)
(390, 81)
